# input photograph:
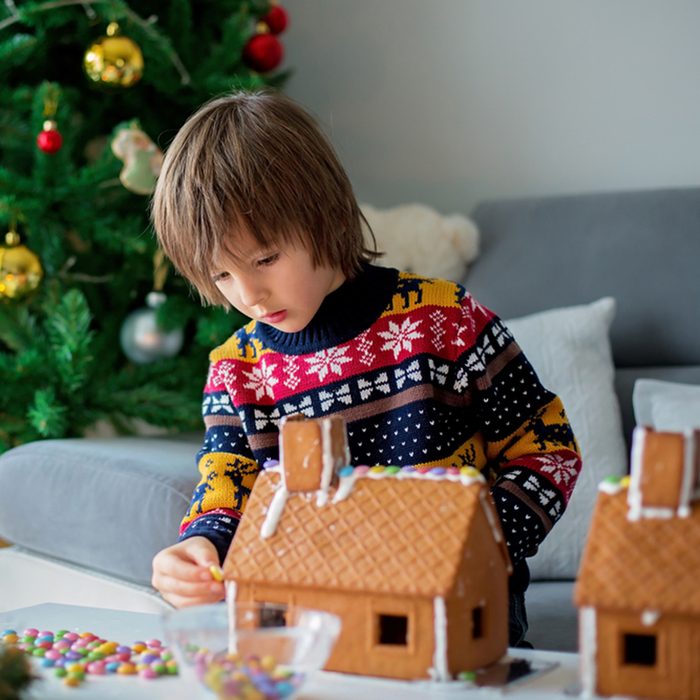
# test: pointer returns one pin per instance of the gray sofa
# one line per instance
(109, 504)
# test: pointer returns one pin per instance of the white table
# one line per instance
(127, 627)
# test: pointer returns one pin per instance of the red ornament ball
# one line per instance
(49, 139)
(263, 52)
(276, 19)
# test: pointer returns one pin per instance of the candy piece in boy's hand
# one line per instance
(216, 573)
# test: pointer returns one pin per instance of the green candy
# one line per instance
(60, 672)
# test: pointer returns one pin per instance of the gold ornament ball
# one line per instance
(20, 269)
(114, 60)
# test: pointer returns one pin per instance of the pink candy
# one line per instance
(86, 653)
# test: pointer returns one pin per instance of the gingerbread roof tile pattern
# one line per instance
(640, 564)
(402, 536)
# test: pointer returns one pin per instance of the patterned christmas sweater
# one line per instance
(423, 374)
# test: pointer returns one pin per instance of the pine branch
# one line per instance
(18, 328)
(47, 415)
(67, 327)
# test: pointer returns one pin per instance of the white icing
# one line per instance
(650, 617)
(274, 512)
(440, 672)
(687, 484)
(610, 487)
(634, 493)
(588, 645)
(344, 488)
(231, 608)
(327, 462)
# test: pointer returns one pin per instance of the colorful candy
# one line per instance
(73, 656)
(233, 677)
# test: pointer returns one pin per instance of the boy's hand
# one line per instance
(182, 573)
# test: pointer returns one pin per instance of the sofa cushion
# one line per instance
(667, 405)
(570, 351)
(106, 504)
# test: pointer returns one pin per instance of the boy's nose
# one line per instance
(251, 292)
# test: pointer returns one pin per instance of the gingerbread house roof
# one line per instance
(632, 565)
(403, 536)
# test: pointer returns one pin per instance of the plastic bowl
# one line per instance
(274, 650)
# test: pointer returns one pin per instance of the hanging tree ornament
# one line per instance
(142, 158)
(49, 139)
(114, 60)
(263, 52)
(276, 19)
(141, 338)
(20, 268)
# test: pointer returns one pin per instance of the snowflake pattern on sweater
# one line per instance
(423, 374)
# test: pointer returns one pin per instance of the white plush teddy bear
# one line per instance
(418, 239)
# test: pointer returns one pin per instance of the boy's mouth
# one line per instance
(276, 317)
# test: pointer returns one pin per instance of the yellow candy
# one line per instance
(107, 648)
(268, 663)
(72, 681)
(376, 470)
(10, 639)
(138, 648)
(127, 669)
(469, 471)
(625, 482)
(216, 573)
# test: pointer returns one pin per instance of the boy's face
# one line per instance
(278, 286)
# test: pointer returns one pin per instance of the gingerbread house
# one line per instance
(638, 591)
(413, 561)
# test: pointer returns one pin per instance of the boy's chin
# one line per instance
(286, 327)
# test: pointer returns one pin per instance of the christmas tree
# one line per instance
(94, 326)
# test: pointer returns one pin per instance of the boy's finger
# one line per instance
(193, 589)
(182, 569)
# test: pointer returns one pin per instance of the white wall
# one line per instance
(450, 101)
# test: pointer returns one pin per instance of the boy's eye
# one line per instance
(220, 277)
(268, 260)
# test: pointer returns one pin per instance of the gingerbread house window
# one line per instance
(392, 629)
(639, 649)
(273, 615)
(477, 622)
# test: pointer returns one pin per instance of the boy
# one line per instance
(254, 209)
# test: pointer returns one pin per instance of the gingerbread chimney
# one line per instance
(312, 451)
(665, 473)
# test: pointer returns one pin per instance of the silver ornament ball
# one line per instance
(142, 340)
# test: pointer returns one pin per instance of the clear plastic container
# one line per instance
(272, 652)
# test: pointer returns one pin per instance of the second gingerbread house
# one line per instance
(637, 590)
(412, 561)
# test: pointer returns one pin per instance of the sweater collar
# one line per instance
(344, 313)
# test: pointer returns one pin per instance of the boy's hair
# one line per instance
(258, 162)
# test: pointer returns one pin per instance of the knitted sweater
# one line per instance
(423, 375)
